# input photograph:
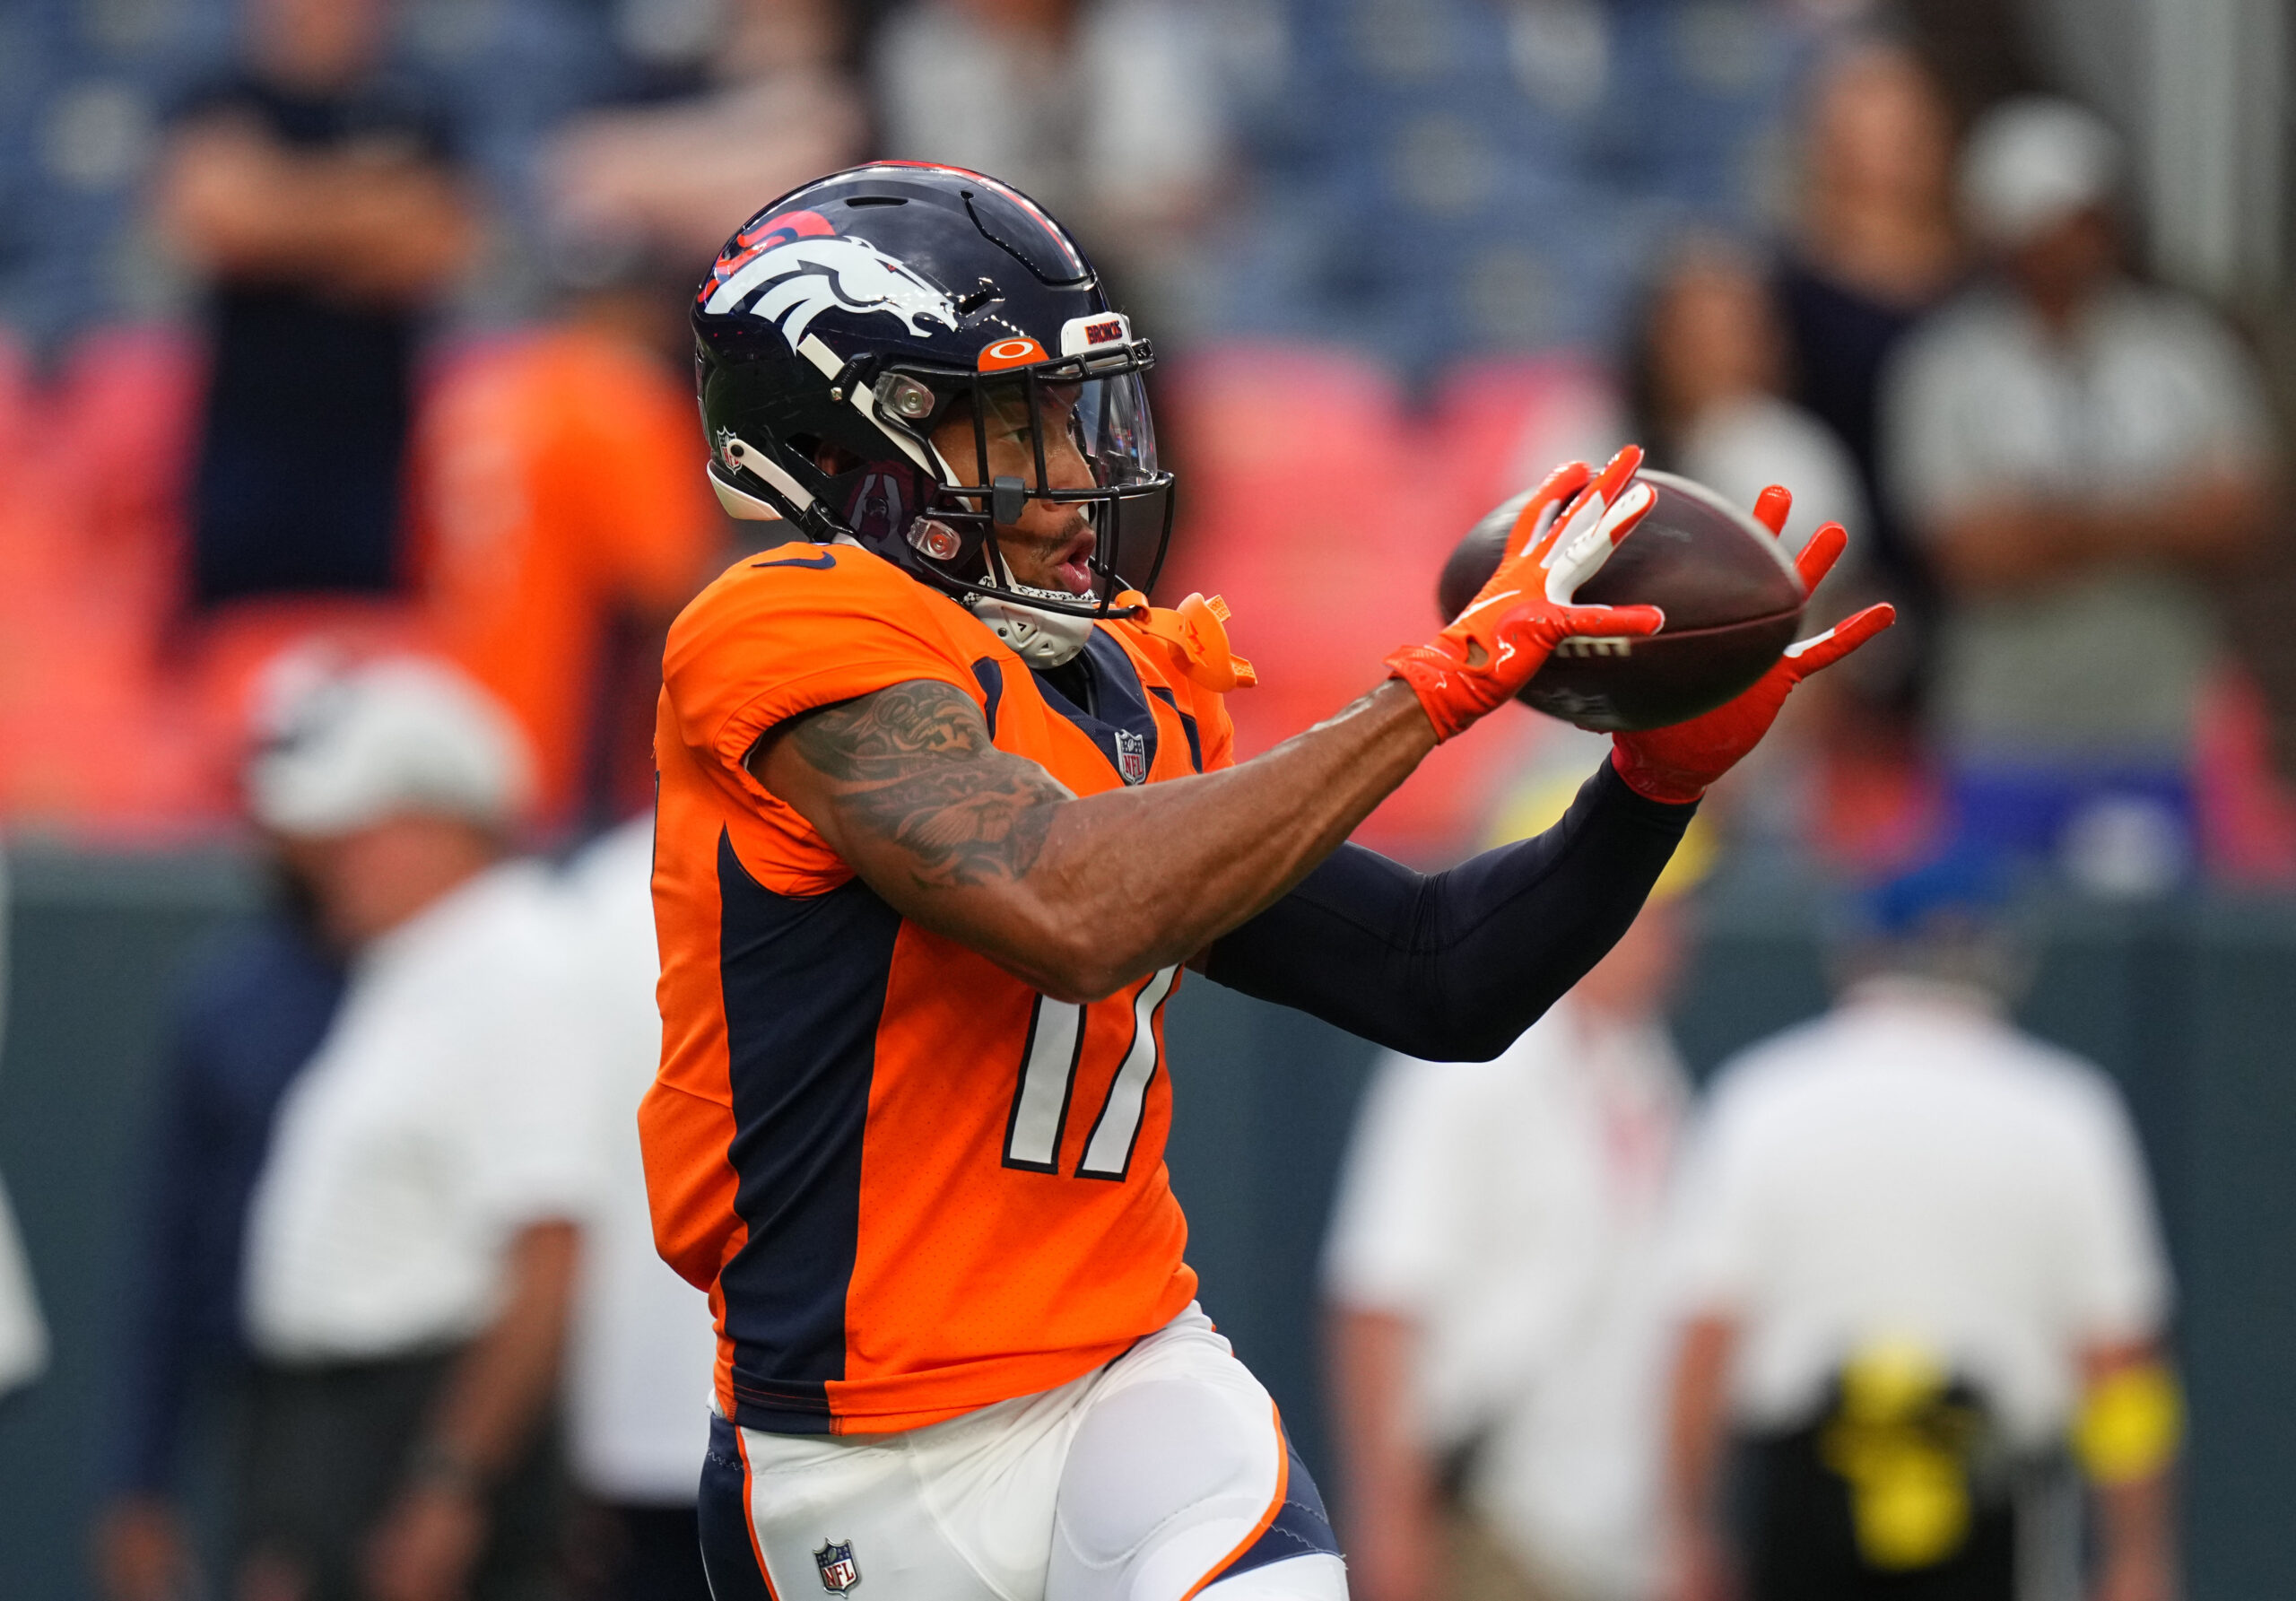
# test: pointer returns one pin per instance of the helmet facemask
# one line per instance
(1044, 492)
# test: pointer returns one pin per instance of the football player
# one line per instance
(946, 806)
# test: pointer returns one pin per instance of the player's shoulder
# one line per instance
(801, 588)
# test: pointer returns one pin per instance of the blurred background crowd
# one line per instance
(364, 317)
(349, 476)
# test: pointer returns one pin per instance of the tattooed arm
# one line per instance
(1078, 896)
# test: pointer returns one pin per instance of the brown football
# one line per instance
(1731, 596)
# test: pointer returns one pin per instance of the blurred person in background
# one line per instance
(1495, 1343)
(1708, 376)
(1874, 244)
(559, 523)
(2075, 450)
(1710, 371)
(754, 99)
(643, 1346)
(24, 1332)
(1916, 1254)
(368, 1176)
(1106, 112)
(318, 197)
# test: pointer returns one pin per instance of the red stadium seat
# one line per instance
(1323, 512)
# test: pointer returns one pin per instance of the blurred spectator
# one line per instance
(24, 1332)
(2074, 449)
(1711, 369)
(643, 1345)
(1708, 373)
(1495, 1345)
(1913, 1247)
(1873, 244)
(368, 1176)
(1106, 112)
(771, 107)
(318, 197)
(563, 517)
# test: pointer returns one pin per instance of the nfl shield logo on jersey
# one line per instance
(1131, 757)
(838, 1571)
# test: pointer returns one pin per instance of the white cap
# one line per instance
(2033, 161)
(341, 748)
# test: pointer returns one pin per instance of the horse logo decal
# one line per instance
(797, 278)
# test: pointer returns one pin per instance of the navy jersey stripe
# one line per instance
(1188, 726)
(992, 685)
(1118, 693)
(804, 986)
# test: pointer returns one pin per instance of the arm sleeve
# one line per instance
(1453, 966)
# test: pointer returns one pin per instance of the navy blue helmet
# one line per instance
(852, 330)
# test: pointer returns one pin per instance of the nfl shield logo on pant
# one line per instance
(838, 1571)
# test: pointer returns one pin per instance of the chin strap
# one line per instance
(1194, 636)
(1043, 638)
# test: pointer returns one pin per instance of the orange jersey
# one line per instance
(912, 1185)
(554, 486)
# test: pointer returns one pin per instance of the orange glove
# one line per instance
(1677, 764)
(1503, 637)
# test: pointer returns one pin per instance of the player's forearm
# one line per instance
(1077, 898)
(1133, 880)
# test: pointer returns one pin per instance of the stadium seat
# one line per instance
(1323, 512)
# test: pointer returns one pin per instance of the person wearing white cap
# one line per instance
(2076, 450)
(409, 1237)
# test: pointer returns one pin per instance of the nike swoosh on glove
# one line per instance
(1677, 764)
(1506, 633)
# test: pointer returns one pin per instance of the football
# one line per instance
(1732, 598)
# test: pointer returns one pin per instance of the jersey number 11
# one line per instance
(1048, 1079)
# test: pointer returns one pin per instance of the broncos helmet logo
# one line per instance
(792, 283)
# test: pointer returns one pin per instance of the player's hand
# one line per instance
(1677, 764)
(1493, 647)
(426, 1547)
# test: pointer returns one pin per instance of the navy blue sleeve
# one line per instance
(1453, 966)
